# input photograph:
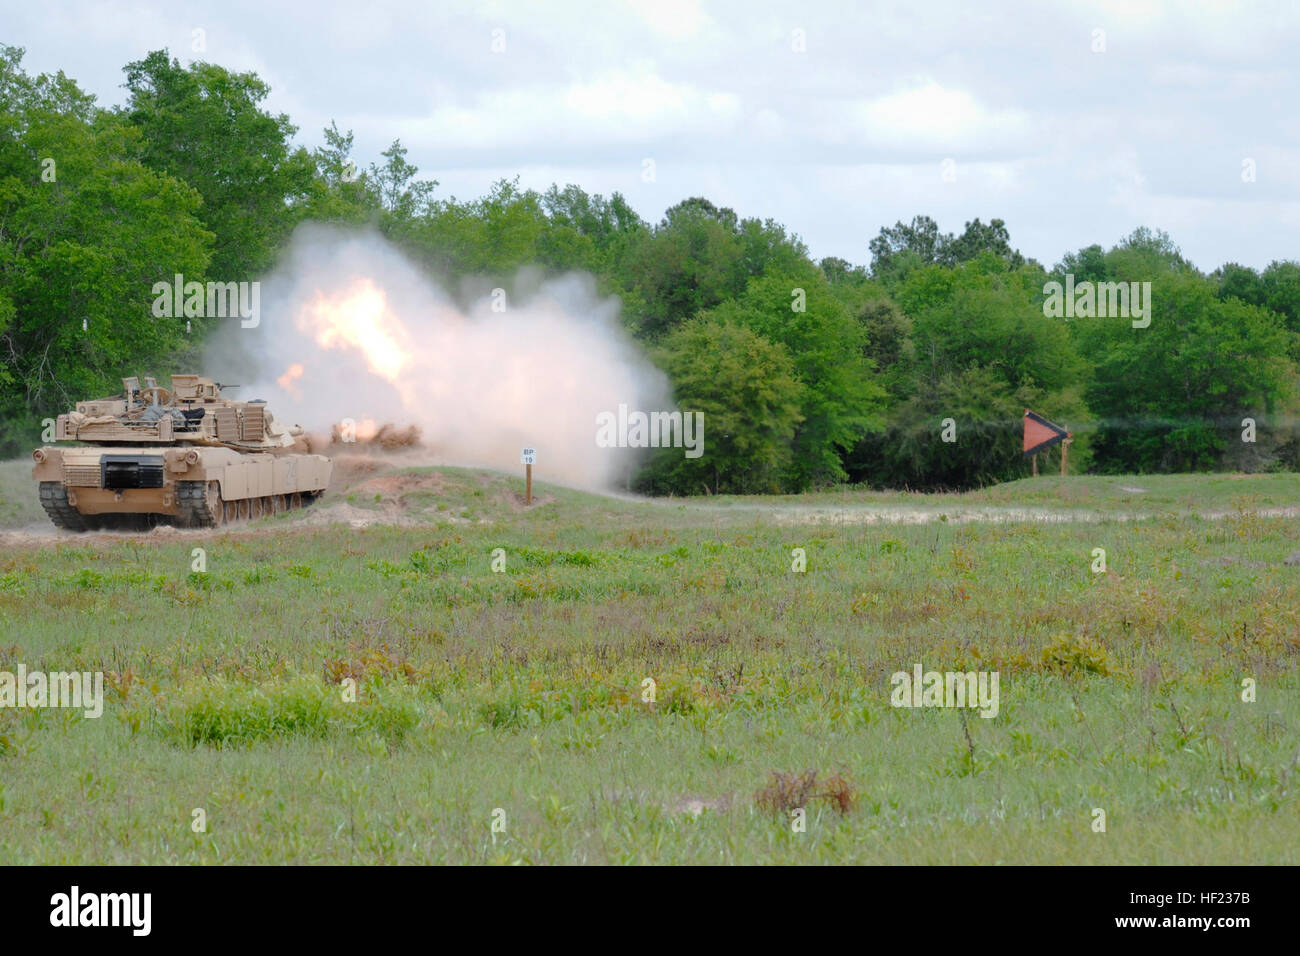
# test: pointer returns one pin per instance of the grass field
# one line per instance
(517, 695)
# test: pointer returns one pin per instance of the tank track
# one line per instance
(54, 499)
(193, 509)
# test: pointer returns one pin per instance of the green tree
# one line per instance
(903, 248)
(921, 237)
(841, 402)
(748, 391)
(85, 231)
(975, 348)
(978, 238)
(1280, 285)
(400, 194)
(205, 126)
(1239, 282)
(340, 192)
(838, 271)
(491, 237)
(690, 262)
(1086, 265)
(1172, 396)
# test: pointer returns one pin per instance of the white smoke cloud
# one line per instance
(351, 329)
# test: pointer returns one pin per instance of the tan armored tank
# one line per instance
(184, 456)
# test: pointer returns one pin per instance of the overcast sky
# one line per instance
(833, 118)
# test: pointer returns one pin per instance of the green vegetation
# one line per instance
(812, 373)
(523, 690)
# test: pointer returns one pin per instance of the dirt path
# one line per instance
(986, 514)
(343, 513)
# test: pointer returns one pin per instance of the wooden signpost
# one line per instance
(528, 458)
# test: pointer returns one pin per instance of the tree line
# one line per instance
(809, 373)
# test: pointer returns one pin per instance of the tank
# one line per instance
(185, 456)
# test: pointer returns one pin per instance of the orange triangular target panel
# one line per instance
(1040, 433)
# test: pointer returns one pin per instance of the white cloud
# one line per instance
(930, 116)
(677, 19)
(613, 107)
(642, 97)
(1069, 147)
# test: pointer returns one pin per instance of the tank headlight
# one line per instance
(191, 458)
(38, 455)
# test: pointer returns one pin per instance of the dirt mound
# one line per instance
(394, 486)
(514, 500)
(371, 493)
(352, 469)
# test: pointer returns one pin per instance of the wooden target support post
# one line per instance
(527, 458)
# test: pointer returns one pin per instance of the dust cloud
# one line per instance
(352, 336)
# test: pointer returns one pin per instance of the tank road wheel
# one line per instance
(295, 501)
(54, 499)
(243, 509)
